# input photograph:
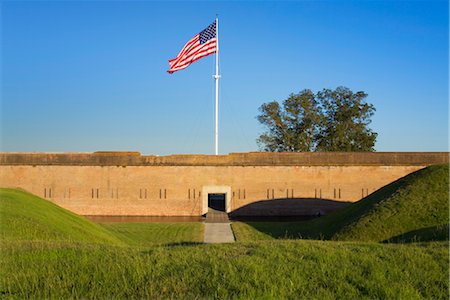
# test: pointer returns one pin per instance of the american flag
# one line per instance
(201, 45)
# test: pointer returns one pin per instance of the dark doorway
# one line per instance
(216, 201)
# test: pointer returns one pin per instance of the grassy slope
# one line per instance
(416, 201)
(433, 233)
(149, 234)
(47, 252)
(274, 269)
(419, 200)
(24, 216)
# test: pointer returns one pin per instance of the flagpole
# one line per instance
(216, 78)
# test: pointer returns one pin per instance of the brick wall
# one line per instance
(130, 184)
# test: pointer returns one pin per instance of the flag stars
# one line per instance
(208, 33)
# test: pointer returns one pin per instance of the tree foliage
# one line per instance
(329, 120)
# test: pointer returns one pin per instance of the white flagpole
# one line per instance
(216, 78)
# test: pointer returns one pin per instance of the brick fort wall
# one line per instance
(130, 184)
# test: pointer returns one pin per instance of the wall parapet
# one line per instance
(105, 158)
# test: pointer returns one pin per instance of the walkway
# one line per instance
(218, 227)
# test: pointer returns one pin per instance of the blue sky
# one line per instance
(91, 75)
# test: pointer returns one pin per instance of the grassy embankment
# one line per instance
(26, 217)
(48, 252)
(413, 208)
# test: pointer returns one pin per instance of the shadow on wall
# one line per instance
(288, 207)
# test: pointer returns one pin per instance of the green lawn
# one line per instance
(48, 252)
(150, 234)
(265, 269)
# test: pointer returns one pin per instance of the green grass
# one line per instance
(25, 216)
(273, 269)
(150, 234)
(417, 201)
(50, 253)
(434, 233)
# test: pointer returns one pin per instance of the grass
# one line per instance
(270, 269)
(414, 202)
(25, 216)
(434, 233)
(48, 252)
(150, 234)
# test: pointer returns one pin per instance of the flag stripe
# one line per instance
(189, 50)
(187, 64)
(192, 56)
(192, 50)
(186, 48)
(196, 47)
(192, 53)
(179, 67)
(201, 45)
(197, 56)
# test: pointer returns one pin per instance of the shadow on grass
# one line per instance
(151, 250)
(289, 218)
(289, 209)
(189, 244)
(289, 230)
(428, 234)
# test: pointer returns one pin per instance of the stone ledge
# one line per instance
(107, 158)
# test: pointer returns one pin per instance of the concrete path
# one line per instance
(218, 233)
(216, 216)
(218, 228)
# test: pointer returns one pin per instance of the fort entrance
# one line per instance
(216, 202)
(216, 197)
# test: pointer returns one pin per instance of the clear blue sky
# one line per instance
(87, 76)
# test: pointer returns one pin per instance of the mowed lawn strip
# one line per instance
(149, 234)
(265, 269)
(251, 231)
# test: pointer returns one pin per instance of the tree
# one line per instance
(330, 120)
(294, 127)
(346, 120)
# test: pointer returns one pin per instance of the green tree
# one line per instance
(346, 119)
(330, 120)
(292, 127)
